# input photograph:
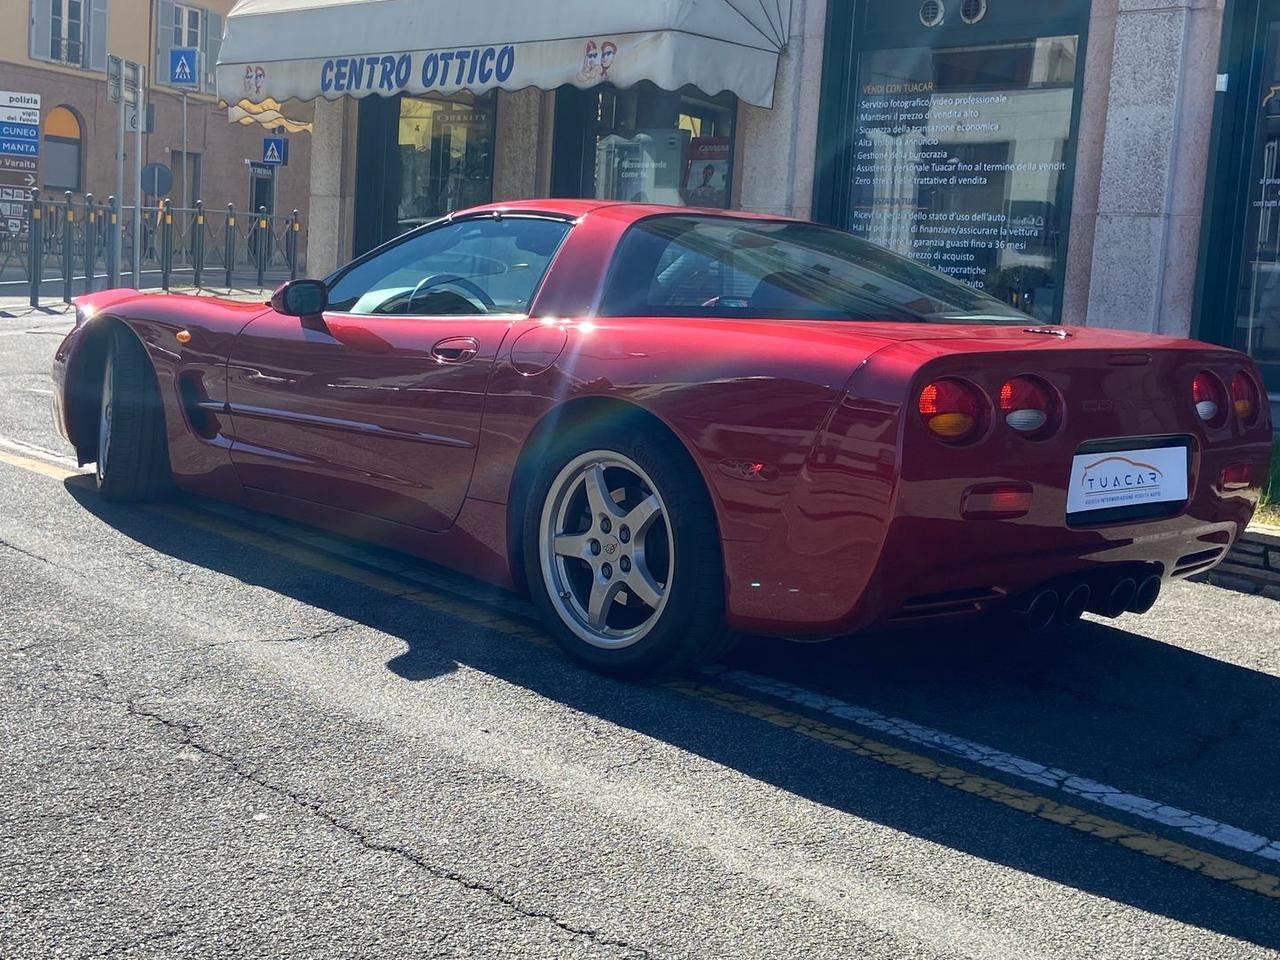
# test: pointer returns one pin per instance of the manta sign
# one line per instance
(291, 49)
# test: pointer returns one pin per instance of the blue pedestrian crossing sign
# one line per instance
(275, 150)
(182, 67)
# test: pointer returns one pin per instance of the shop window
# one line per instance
(446, 156)
(645, 145)
(62, 149)
(419, 158)
(962, 161)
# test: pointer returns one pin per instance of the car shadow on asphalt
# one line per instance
(1101, 701)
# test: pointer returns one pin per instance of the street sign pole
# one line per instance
(184, 74)
(141, 73)
(115, 91)
(186, 167)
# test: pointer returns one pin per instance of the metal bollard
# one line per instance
(229, 242)
(166, 242)
(112, 216)
(68, 246)
(35, 247)
(197, 245)
(264, 237)
(293, 246)
(90, 243)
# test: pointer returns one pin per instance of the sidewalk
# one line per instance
(20, 307)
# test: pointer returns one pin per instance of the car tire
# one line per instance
(626, 603)
(133, 456)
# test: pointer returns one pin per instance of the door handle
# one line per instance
(456, 350)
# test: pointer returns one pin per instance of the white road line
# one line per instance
(1038, 773)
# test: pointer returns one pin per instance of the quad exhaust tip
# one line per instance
(1125, 595)
(1040, 612)
(1147, 594)
(1076, 602)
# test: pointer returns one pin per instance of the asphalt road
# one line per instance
(226, 735)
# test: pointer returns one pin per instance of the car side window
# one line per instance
(482, 265)
(687, 265)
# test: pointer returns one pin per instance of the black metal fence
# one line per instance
(62, 248)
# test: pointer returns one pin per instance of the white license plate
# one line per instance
(1127, 478)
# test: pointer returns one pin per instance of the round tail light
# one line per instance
(1207, 396)
(1244, 397)
(1027, 405)
(951, 409)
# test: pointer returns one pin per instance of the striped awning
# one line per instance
(287, 49)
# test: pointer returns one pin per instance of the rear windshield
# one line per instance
(688, 266)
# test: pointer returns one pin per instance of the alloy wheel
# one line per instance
(104, 419)
(605, 546)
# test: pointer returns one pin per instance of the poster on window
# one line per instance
(706, 173)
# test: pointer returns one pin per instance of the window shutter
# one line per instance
(97, 59)
(164, 40)
(212, 34)
(41, 24)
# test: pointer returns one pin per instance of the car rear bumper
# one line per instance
(927, 561)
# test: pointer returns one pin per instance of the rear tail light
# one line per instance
(1238, 476)
(1244, 397)
(1028, 405)
(997, 500)
(951, 409)
(1206, 394)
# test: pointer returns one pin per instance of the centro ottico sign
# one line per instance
(442, 69)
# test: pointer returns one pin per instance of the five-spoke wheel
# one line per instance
(606, 549)
(622, 553)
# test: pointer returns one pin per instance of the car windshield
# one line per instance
(685, 266)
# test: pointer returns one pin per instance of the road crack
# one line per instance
(186, 732)
(26, 553)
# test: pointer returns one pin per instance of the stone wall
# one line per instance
(1145, 231)
(1253, 566)
(776, 148)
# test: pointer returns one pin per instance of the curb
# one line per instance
(1253, 565)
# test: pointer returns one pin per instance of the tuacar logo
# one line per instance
(1112, 474)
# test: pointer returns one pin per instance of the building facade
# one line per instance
(62, 57)
(1099, 162)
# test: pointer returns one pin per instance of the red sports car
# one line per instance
(671, 425)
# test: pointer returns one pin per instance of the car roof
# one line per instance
(618, 209)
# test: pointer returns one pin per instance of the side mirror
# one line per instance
(300, 298)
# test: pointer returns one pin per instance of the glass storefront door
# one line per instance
(1256, 317)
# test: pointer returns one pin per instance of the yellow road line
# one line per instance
(1197, 861)
(1148, 844)
(42, 467)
